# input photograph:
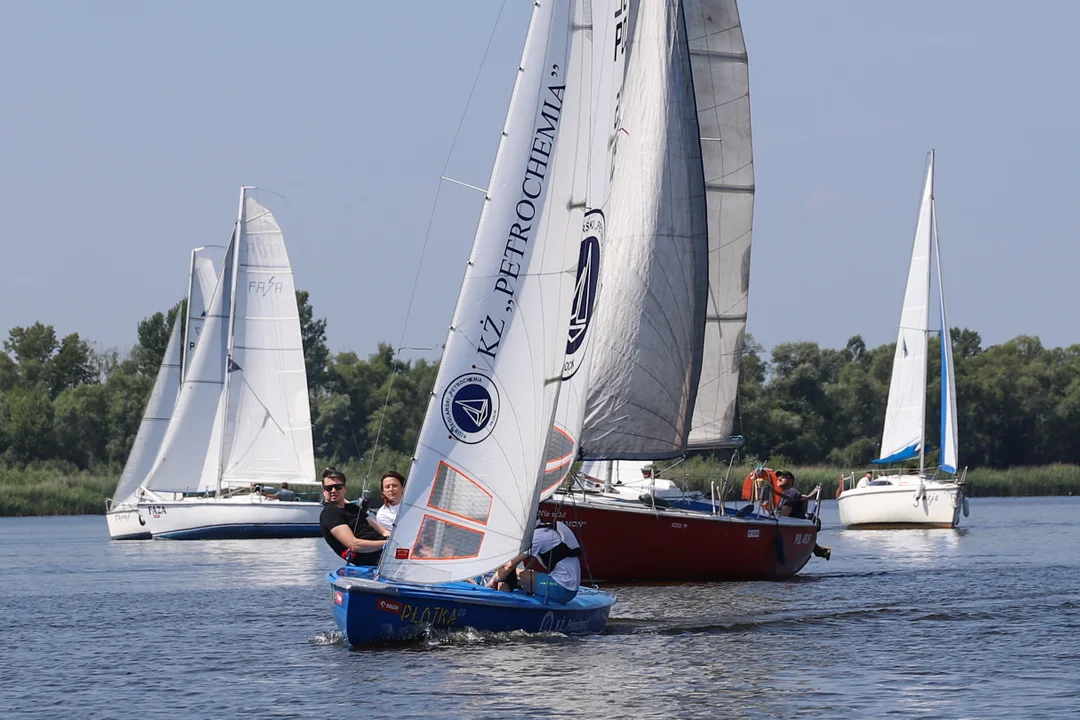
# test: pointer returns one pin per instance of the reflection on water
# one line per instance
(976, 622)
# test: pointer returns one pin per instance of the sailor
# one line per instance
(558, 550)
(345, 526)
(793, 504)
(284, 494)
(393, 486)
(866, 479)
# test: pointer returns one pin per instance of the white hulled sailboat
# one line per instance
(922, 499)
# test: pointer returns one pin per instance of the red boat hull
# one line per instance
(624, 543)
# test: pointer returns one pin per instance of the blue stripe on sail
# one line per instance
(905, 454)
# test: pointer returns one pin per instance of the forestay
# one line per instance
(474, 484)
(722, 92)
(599, 50)
(267, 424)
(155, 419)
(648, 341)
(906, 412)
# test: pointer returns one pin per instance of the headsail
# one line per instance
(267, 426)
(155, 419)
(607, 22)
(201, 287)
(949, 439)
(903, 437)
(475, 481)
(648, 342)
(722, 91)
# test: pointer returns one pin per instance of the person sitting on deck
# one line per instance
(558, 549)
(345, 526)
(393, 487)
(865, 480)
(793, 504)
(284, 494)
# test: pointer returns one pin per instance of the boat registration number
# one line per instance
(803, 538)
(156, 510)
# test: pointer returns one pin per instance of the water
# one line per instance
(979, 622)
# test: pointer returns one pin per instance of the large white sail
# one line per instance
(722, 92)
(606, 22)
(267, 422)
(648, 329)
(200, 291)
(949, 438)
(178, 466)
(474, 484)
(905, 414)
(155, 420)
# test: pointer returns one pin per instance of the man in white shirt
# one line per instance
(865, 480)
(558, 550)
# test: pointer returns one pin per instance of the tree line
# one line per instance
(62, 399)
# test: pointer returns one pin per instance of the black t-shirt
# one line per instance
(332, 516)
(794, 500)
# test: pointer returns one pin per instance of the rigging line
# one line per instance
(427, 233)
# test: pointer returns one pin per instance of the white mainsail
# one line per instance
(905, 415)
(601, 83)
(155, 419)
(267, 423)
(722, 93)
(178, 466)
(201, 286)
(474, 484)
(648, 329)
(949, 439)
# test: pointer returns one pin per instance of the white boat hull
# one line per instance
(243, 517)
(902, 505)
(125, 523)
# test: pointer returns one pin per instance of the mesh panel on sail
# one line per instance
(456, 493)
(443, 540)
(559, 455)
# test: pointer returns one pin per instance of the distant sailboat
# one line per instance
(924, 499)
(121, 513)
(242, 417)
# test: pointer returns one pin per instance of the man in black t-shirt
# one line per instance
(345, 525)
(793, 504)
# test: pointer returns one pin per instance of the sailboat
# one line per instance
(668, 331)
(924, 499)
(482, 458)
(242, 417)
(121, 511)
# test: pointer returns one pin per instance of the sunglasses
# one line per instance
(331, 488)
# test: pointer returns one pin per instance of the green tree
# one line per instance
(26, 416)
(81, 424)
(316, 353)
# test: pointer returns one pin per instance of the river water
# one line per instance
(978, 622)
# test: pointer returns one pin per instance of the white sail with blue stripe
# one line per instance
(949, 439)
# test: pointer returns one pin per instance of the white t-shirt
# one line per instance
(567, 572)
(387, 515)
(863, 482)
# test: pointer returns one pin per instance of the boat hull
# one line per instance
(370, 612)
(246, 517)
(630, 542)
(900, 506)
(125, 523)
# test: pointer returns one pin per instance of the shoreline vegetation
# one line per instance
(60, 489)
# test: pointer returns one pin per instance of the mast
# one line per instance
(922, 426)
(237, 239)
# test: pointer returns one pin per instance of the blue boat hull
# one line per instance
(370, 611)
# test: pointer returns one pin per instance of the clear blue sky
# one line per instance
(127, 128)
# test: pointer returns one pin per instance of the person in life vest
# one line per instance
(558, 550)
(345, 526)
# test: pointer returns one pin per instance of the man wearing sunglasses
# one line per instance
(345, 525)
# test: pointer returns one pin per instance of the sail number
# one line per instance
(803, 538)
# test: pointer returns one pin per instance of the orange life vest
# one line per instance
(772, 483)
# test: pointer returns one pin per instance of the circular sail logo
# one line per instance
(588, 280)
(470, 407)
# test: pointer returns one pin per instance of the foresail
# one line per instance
(722, 91)
(268, 420)
(949, 439)
(203, 282)
(180, 460)
(601, 40)
(648, 328)
(155, 419)
(474, 485)
(905, 414)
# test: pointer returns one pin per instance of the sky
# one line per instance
(127, 128)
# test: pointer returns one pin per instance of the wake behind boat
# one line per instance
(242, 416)
(916, 499)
